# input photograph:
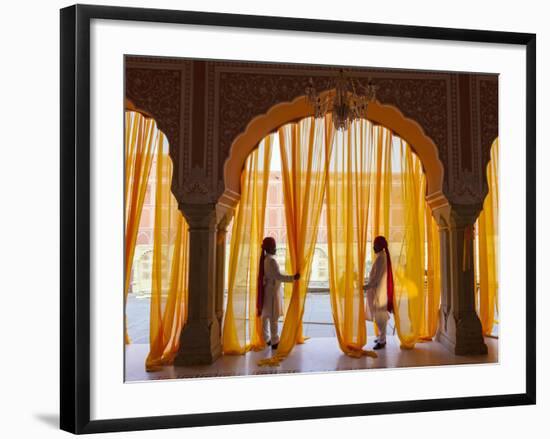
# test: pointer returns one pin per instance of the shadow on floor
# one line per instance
(316, 355)
(49, 419)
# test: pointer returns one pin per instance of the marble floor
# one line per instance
(317, 320)
(316, 355)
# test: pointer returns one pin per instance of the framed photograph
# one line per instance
(340, 213)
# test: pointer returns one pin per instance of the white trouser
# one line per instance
(381, 318)
(270, 326)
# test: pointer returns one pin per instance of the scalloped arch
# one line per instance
(285, 112)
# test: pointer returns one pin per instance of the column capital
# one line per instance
(457, 216)
(224, 215)
(199, 216)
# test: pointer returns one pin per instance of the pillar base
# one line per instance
(199, 344)
(462, 336)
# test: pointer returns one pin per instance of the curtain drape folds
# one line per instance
(487, 246)
(303, 161)
(348, 191)
(433, 296)
(381, 187)
(168, 311)
(410, 293)
(141, 141)
(242, 328)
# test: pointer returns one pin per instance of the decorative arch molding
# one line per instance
(203, 106)
(156, 94)
(487, 162)
(280, 114)
(130, 106)
(157, 90)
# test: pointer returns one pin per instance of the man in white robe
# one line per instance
(378, 306)
(271, 303)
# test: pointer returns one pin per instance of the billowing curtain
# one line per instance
(141, 140)
(303, 159)
(169, 291)
(487, 226)
(381, 187)
(409, 266)
(433, 296)
(242, 328)
(349, 169)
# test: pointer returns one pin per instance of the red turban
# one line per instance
(381, 243)
(267, 244)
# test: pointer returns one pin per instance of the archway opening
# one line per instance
(387, 217)
(156, 247)
(385, 115)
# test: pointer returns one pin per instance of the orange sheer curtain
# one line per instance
(381, 187)
(242, 328)
(347, 199)
(303, 159)
(141, 140)
(487, 246)
(169, 292)
(433, 296)
(409, 267)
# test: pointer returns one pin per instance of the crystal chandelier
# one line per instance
(347, 103)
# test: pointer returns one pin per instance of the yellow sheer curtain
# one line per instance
(169, 271)
(409, 292)
(433, 296)
(487, 226)
(347, 200)
(303, 159)
(245, 249)
(141, 139)
(381, 187)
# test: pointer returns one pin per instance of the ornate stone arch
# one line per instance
(285, 112)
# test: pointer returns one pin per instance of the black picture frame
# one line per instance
(75, 217)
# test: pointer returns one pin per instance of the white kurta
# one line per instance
(377, 292)
(273, 306)
(377, 295)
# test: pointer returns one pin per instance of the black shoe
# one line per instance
(379, 346)
(269, 343)
(275, 346)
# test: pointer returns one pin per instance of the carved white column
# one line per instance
(459, 325)
(224, 215)
(200, 338)
(220, 271)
